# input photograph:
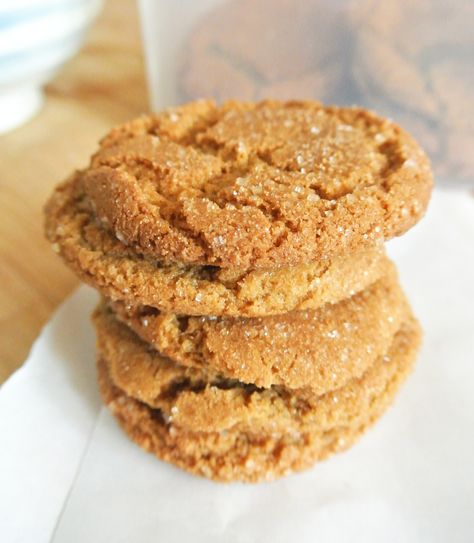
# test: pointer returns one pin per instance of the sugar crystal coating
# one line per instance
(249, 174)
(227, 432)
(109, 265)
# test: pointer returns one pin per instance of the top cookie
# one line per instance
(257, 185)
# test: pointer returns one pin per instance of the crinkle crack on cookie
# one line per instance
(251, 323)
(112, 267)
(203, 399)
(257, 185)
(321, 349)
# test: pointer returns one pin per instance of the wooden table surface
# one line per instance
(103, 85)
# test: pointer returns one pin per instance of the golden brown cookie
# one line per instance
(222, 456)
(271, 54)
(230, 454)
(415, 63)
(207, 400)
(255, 185)
(118, 272)
(321, 349)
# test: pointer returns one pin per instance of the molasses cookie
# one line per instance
(255, 185)
(320, 349)
(115, 269)
(230, 454)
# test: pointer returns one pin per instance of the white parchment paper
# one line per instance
(68, 474)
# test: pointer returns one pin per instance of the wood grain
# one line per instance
(103, 85)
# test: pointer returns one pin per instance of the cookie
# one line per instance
(338, 418)
(257, 185)
(114, 268)
(416, 66)
(321, 349)
(204, 399)
(221, 456)
(270, 55)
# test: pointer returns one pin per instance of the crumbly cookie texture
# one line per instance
(203, 399)
(119, 273)
(253, 454)
(257, 185)
(321, 349)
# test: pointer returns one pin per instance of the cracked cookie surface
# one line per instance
(119, 273)
(257, 185)
(321, 349)
(243, 64)
(203, 399)
(263, 451)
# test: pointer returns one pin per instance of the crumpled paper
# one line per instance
(69, 474)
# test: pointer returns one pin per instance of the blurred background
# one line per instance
(71, 69)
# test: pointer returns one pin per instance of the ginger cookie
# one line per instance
(320, 349)
(271, 53)
(255, 185)
(203, 399)
(416, 64)
(114, 268)
(229, 452)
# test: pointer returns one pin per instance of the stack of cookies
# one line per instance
(250, 323)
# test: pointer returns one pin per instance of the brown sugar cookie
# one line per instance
(229, 454)
(453, 81)
(271, 54)
(256, 185)
(222, 456)
(321, 349)
(415, 63)
(114, 268)
(206, 400)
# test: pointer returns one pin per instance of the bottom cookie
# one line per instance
(252, 456)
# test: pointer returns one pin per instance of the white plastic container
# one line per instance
(412, 61)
